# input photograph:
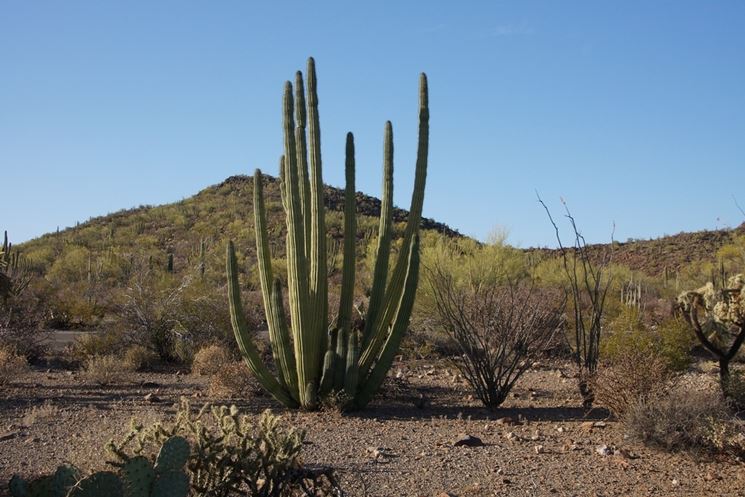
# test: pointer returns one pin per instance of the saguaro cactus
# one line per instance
(315, 359)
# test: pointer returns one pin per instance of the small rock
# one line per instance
(506, 420)
(599, 424)
(9, 435)
(560, 429)
(468, 441)
(675, 482)
(446, 494)
(587, 426)
(538, 449)
(604, 450)
(150, 384)
(151, 398)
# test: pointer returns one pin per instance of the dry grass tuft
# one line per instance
(233, 379)
(106, 370)
(12, 365)
(209, 360)
(44, 412)
(140, 358)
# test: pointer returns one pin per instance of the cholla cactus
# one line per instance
(722, 332)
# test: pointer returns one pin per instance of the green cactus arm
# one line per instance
(279, 334)
(281, 346)
(297, 274)
(346, 301)
(372, 383)
(340, 362)
(318, 270)
(329, 363)
(396, 285)
(245, 344)
(385, 230)
(351, 376)
(282, 183)
(302, 158)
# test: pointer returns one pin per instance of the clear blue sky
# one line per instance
(633, 111)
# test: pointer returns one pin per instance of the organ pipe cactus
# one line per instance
(314, 359)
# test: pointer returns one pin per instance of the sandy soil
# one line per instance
(394, 448)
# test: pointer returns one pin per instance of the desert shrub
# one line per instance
(232, 455)
(210, 359)
(139, 358)
(735, 389)
(500, 328)
(232, 380)
(671, 341)
(106, 370)
(633, 376)
(689, 420)
(676, 343)
(94, 344)
(12, 365)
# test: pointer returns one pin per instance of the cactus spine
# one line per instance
(312, 359)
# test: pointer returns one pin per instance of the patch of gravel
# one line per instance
(540, 443)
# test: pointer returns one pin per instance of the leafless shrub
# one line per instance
(12, 365)
(500, 329)
(633, 377)
(589, 280)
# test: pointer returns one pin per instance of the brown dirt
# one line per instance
(391, 449)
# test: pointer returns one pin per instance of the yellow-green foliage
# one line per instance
(627, 335)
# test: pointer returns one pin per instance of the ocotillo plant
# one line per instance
(314, 359)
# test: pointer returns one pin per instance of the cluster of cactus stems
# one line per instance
(316, 360)
(14, 274)
(137, 477)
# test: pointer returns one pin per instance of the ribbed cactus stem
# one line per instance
(395, 287)
(385, 229)
(243, 336)
(302, 158)
(318, 270)
(297, 272)
(400, 323)
(350, 238)
(351, 376)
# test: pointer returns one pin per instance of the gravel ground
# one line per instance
(394, 448)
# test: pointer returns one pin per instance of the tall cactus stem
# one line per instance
(385, 230)
(346, 301)
(242, 335)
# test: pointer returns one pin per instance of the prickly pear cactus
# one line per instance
(171, 484)
(103, 484)
(137, 476)
(173, 455)
(56, 485)
(18, 487)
